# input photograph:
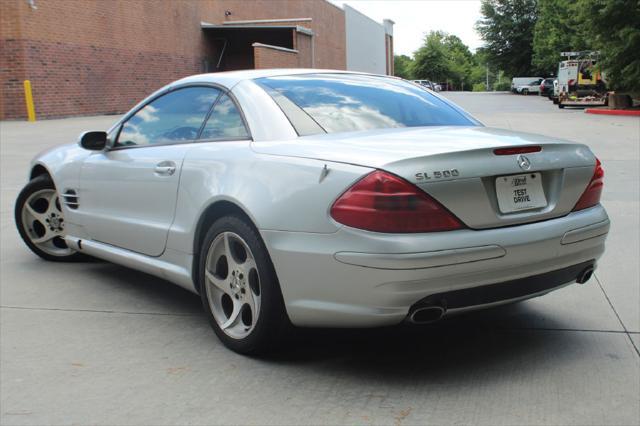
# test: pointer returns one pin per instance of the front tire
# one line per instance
(239, 288)
(40, 221)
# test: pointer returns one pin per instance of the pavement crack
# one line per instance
(606, 296)
(581, 330)
(99, 311)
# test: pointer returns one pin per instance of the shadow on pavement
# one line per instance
(454, 347)
(496, 332)
(150, 290)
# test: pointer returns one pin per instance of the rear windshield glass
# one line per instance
(344, 103)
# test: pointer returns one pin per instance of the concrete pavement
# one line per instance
(101, 344)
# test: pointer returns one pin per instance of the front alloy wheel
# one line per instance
(41, 223)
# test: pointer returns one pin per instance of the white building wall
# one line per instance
(365, 43)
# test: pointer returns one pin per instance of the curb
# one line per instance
(634, 113)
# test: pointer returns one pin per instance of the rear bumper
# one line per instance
(493, 294)
(355, 278)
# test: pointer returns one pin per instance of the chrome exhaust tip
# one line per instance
(585, 275)
(426, 314)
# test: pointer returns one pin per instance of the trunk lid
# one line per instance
(458, 167)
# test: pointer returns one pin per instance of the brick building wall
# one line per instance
(96, 57)
(269, 57)
(303, 46)
(327, 22)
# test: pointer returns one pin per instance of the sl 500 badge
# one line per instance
(437, 174)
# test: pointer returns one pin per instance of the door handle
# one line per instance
(165, 168)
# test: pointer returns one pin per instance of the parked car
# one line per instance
(531, 87)
(437, 87)
(319, 199)
(546, 87)
(520, 81)
(426, 83)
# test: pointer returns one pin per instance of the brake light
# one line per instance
(382, 202)
(517, 150)
(591, 196)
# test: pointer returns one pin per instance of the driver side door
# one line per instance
(128, 193)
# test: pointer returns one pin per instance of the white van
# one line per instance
(520, 81)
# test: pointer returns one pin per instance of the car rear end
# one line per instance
(546, 87)
(431, 220)
(405, 246)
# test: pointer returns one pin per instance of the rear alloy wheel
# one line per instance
(239, 289)
(525, 92)
(40, 221)
(233, 285)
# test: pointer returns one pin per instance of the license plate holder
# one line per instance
(517, 193)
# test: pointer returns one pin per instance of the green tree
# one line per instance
(461, 62)
(615, 27)
(402, 66)
(482, 67)
(560, 27)
(444, 57)
(507, 30)
(430, 60)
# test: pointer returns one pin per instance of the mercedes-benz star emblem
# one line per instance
(523, 162)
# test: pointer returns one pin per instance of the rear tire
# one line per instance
(525, 92)
(40, 221)
(239, 288)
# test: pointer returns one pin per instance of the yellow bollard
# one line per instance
(28, 97)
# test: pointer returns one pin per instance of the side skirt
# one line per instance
(172, 266)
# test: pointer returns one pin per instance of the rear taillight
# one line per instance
(591, 196)
(382, 202)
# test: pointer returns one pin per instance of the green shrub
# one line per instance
(502, 86)
(479, 87)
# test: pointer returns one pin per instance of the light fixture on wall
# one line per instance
(32, 4)
(227, 13)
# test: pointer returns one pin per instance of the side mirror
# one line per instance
(94, 141)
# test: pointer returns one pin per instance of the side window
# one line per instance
(225, 122)
(176, 116)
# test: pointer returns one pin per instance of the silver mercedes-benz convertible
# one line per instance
(319, 199)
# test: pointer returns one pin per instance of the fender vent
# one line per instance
(71, 199)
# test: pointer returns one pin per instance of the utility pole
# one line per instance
(487, 65)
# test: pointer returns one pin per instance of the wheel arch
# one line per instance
(39, 170)
(211, 213)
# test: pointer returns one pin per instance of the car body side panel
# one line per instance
(125, 202)
(277, 193)
(64, 164)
